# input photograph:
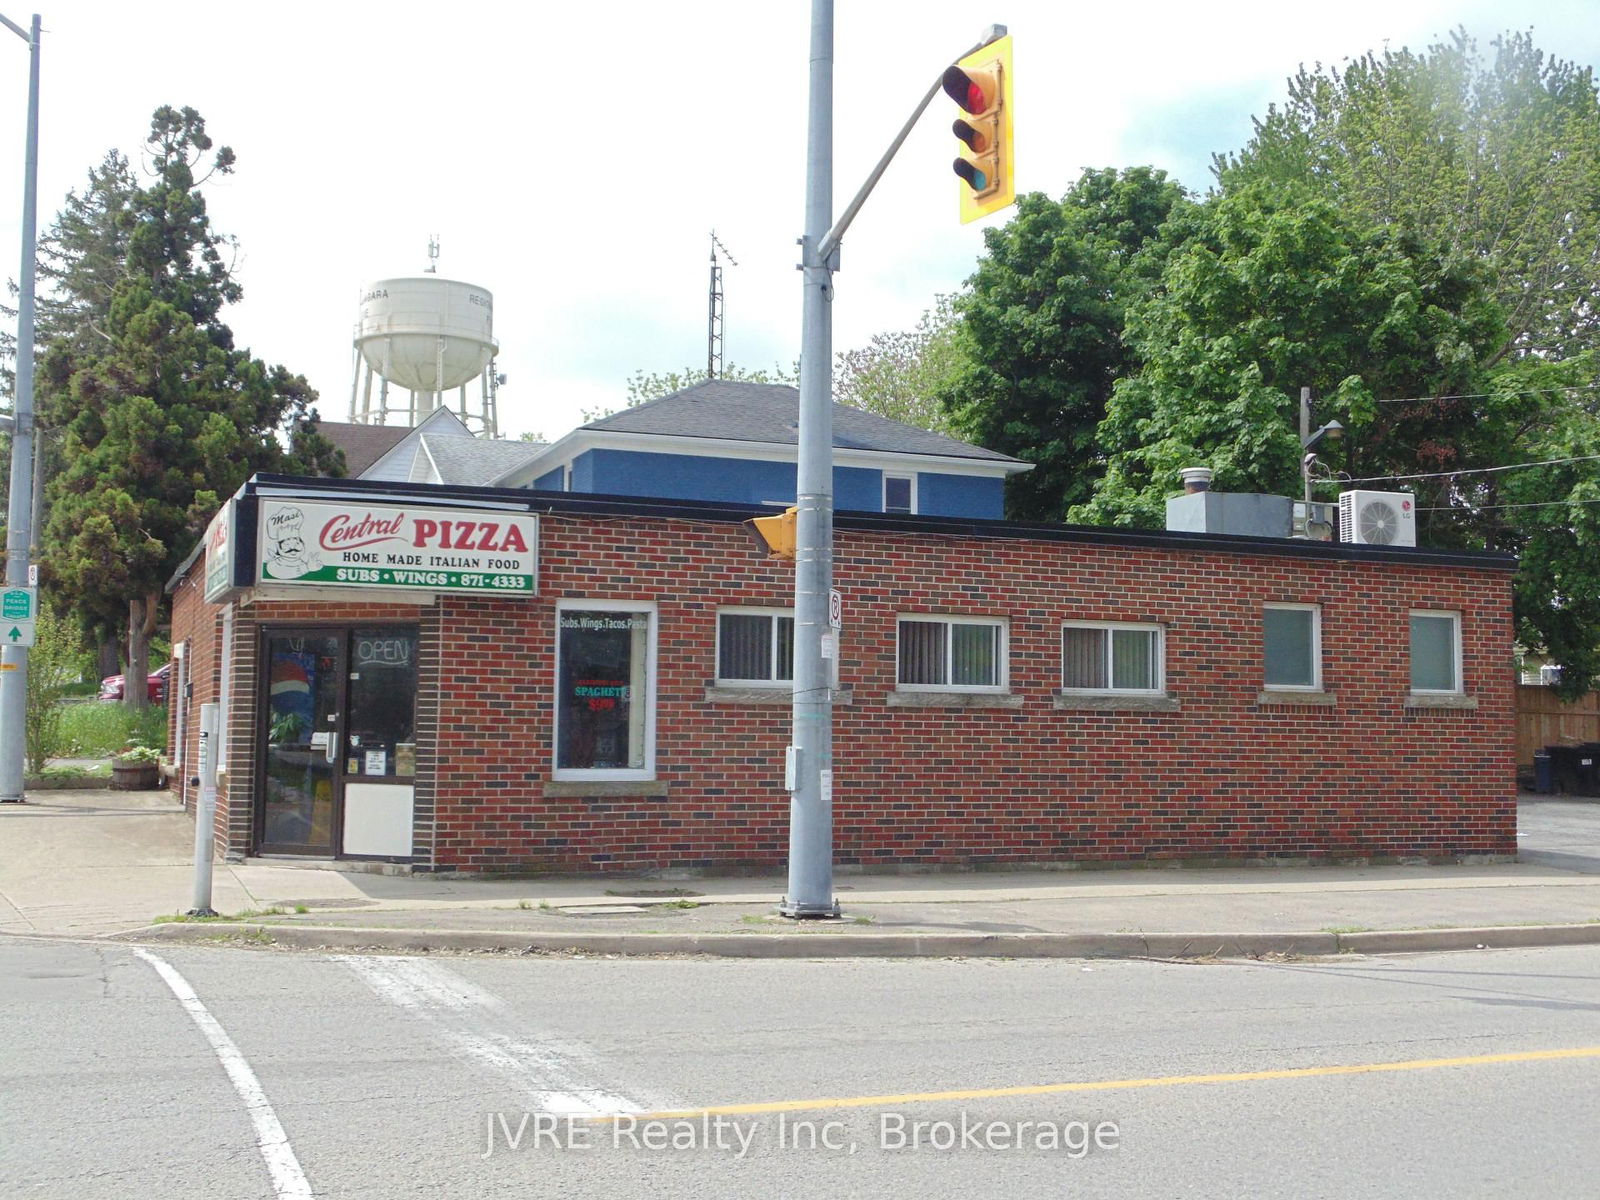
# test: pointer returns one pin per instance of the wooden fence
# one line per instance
(1542, 721)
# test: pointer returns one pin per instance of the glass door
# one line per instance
(301, 739)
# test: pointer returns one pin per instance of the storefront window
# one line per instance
(604, 692)
(383, 690)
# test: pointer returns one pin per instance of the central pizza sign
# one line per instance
(318, 544)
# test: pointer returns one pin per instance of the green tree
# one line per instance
(1275, 289)
(161, 418)
(900, 375)
(1497, 158)
(1040, 341)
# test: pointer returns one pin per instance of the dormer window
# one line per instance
(899, 494)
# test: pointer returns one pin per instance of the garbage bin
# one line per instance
(1544, 781)
(1573, 769)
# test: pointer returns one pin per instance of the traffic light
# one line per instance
(981, 84)
(774, 536)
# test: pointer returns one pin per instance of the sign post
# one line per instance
(205, 811)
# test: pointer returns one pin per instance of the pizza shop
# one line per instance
(461, 679)
(322, 697)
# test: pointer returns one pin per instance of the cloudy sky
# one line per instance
(573, 159)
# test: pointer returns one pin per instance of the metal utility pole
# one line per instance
(714, 318)
(809, 769)
(19, 514)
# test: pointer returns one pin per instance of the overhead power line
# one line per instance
(1478, 508)
(1548, 462)
(1580, 387)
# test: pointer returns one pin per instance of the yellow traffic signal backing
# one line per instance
(981, 84)
(774, 536)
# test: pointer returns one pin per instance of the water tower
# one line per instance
(425, 336)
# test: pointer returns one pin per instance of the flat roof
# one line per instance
(591, 504)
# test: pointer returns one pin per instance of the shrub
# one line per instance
(103, 727)
(54, 665)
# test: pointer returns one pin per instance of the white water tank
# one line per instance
(424, 333)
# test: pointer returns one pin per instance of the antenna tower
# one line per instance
(714, 320)
(433, 255)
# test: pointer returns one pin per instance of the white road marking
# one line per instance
(288, 1180)
(559, 1075)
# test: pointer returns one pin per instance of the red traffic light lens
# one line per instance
(965, 90)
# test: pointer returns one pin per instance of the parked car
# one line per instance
(112, 687)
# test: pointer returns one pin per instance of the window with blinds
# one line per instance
(952, 654)
(755, 647)
(1106, 657)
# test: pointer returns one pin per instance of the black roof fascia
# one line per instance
(599, 504)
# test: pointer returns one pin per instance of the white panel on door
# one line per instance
(377, 819)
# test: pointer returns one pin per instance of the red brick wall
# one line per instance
(1222, 778)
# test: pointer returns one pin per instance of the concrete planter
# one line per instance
(58, 783)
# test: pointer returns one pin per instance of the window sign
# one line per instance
(604, 691)
(316, 544)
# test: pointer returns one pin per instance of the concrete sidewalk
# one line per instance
(98, 863)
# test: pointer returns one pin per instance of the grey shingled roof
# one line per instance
(767, 412)
(363, 445)
(475, 461)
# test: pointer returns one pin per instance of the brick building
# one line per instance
(1006, 694)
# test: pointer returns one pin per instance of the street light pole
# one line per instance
(19, 513)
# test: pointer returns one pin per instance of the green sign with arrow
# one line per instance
(18, 608)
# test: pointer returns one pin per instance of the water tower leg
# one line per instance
(355, 380)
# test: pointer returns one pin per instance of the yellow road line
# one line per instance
(1111, 1085)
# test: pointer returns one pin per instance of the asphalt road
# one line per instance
(221, 1072)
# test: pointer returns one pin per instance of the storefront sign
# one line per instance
(219, 552)
(317, 544)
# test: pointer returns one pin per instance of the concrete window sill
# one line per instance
(566, 788)
(954, 700)
(1424, 700)
(761, 695)
(1300, 699)
(1079, 701)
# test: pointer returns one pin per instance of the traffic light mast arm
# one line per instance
(830, 243)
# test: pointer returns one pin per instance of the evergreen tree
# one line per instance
(159, 416)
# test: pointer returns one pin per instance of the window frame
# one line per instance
(652, 633)
(1316, 684)
(1456, 666)
(746, 610)
(1110, 689)
(911, 479)
(1002, 654)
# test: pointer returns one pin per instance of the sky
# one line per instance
(574, 160)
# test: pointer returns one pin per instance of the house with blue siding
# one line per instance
(719, 440)
(736, 442)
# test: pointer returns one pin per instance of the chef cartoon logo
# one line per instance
(288, 556)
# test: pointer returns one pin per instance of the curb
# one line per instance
(879, 945)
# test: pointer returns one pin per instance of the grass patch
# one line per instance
(677, 904)
(99, 771)
(100, 728)
(247, 915)
(651, 892)
(1347, 929)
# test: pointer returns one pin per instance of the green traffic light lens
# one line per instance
(975, 178)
